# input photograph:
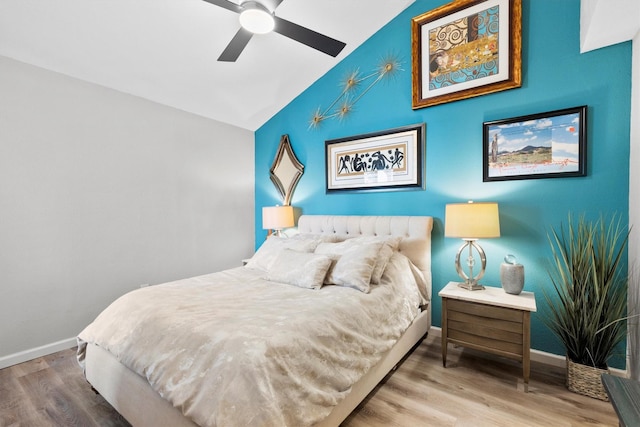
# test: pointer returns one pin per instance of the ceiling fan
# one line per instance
(257, 17)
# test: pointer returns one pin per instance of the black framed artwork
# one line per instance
(543, 145)
(387, 160)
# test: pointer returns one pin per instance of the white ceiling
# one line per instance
(606, 22)
(166, 50)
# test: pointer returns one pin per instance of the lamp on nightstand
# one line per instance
(470, 222)
(276, 218)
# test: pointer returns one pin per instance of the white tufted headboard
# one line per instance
(415, 231)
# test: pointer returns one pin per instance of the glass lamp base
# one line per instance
(470, 281)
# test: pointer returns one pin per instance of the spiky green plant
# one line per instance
(588, 313)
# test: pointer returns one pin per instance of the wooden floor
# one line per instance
(474, 390)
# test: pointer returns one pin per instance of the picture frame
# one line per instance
(543, 145)
(387, 160)
(466, 48)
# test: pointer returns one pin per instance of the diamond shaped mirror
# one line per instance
(286, 170)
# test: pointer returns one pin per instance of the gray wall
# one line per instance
(101, 192)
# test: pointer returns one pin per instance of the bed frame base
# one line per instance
(131, 395)
(143, 406)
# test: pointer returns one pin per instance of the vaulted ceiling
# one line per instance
(166, 50)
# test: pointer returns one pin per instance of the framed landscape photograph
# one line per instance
(388, 160)
(466, 48)
(544, 145)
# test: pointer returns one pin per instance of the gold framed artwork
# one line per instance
(466, 48)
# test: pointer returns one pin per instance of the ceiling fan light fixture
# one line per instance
(256, 18)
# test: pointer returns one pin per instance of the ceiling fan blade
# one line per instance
(235, 46)
(226, 5)
(308, 37)
(274, 4)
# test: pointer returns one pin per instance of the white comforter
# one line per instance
(231, 349)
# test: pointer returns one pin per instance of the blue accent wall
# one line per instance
(555, 76)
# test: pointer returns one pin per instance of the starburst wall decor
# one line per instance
(351, 93)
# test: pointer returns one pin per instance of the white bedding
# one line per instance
(232, 349)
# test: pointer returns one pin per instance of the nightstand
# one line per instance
(489, 320)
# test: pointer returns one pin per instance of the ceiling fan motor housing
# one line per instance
(255, 17)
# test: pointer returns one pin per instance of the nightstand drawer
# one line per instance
(486, 343)
(487, 322)
(486, 311)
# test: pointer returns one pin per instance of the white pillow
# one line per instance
(421, 282)
(352, 264)
(302, 269)
(400, 269)
(265, 255)
(390, 244)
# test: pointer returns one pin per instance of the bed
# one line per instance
(336, 383)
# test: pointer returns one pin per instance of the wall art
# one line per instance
(388, 160)
(544, 145)
(286, 170)
(353, 89)
(466, 48)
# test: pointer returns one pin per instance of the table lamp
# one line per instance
(470, 222)
(276, 218)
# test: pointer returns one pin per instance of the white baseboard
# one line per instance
(543, 357)
(34, 353)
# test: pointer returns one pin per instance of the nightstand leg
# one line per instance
(444, 332)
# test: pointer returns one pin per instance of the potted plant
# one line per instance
(588, 313)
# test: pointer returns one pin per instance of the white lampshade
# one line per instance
(256, 18)
(472, 220)
(277, 217)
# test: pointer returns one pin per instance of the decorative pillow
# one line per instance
(267, 253)
(421, 282)
(390, 244)
(400, 269)
(302, 269)
(352, 264)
